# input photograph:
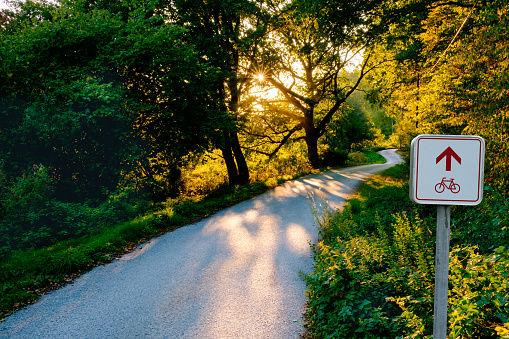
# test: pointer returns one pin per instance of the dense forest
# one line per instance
(110, 107)
(143, 100)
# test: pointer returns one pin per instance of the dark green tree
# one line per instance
(227, 34)
(97, 96)
(60, 106)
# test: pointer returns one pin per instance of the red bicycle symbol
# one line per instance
(449, 184)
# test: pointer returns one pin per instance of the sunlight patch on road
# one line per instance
(297, 238)
(289, 190)
(249, 272)
(313, 182)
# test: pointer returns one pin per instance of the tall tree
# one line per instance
(57, 108)
(306, 64)
(95, 95)
(226, 33)
(456, 81)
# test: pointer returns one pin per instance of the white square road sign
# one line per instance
(447, 169)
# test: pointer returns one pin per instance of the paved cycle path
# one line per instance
(232, 275)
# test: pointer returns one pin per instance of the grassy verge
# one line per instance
(374, 271)
(27, 275)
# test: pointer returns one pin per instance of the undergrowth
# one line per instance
(374, 271)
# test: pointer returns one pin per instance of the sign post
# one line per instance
(445, 170)
(441, 272)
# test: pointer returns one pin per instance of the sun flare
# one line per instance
(260, 77)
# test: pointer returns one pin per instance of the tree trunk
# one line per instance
(231, 167)
(311, 138)
(243, 171)
(233, 139)
(238, 173)
(312, 143)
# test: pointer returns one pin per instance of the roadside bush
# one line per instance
(374, 268)
(26, 193)
(357, 157)
(345, 301)
(479, 300)
(485, 226)
(478, 303)
(32, 218)
(334, 158)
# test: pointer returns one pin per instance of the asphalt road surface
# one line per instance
(232, 275)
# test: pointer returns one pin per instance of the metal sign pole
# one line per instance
(441, 272)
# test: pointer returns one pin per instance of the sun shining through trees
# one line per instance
(307, 87)
(260, 77)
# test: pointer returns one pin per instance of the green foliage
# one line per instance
(485, 81)
(291, 159)
(486, 226)
(345, 302)
(434, 78)
(32, 218)
(358, 157)
(350, 127)
(33, 188)
(480, 294)
(98, 92)
(62, 109)
(374, 270)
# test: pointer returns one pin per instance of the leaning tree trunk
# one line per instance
(238, 173)
(231, 167)
(233, 139)
(243, 171)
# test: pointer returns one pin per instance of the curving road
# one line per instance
(232, 275)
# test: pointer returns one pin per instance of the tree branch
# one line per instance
(454, 3)
(290, 95)
(325, 121)
(281, 143)
(282, 111)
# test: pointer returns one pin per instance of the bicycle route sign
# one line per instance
(447, 169)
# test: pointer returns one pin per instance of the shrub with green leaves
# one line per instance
(357, 157)
(374, 268)
(479, 298)
(32, 218)
(485, 226)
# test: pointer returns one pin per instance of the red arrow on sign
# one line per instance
(448, 154)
